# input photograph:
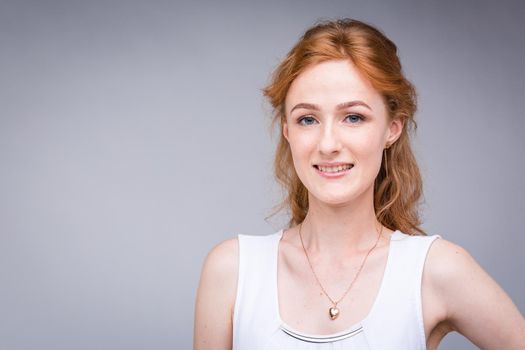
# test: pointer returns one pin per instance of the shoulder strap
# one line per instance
(397, 321)
(253, 316)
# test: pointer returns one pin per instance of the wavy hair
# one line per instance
(397, 190)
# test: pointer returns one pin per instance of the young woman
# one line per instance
(353, 269)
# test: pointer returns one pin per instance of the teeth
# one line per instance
(335, 168)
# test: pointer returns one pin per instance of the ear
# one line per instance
(394, 130)
(285, 130)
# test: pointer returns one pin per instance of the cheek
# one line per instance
(364, 144)
(300, 144)
(367, 152)
(302, 150)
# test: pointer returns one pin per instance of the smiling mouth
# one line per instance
(334, 169)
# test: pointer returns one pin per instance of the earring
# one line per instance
(386, 160)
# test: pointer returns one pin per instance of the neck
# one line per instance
(337, 230)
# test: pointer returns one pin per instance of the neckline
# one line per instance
(354, 326)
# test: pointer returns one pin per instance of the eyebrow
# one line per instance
(338, 107)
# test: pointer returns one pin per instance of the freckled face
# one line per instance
(333, 114)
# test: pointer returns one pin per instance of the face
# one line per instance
(334, 115)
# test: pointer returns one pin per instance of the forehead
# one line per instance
(331, 82)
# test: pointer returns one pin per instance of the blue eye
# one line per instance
(300, 121)
(354, 118)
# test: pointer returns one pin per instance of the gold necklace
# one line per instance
(334, 311)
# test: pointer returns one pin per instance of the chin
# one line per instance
(338, 200)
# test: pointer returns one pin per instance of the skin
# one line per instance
(341, 227)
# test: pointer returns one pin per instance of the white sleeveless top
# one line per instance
(395, 321)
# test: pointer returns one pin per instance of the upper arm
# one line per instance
(475, 305)
(216, 297)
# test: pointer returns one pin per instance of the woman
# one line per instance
(354, 269)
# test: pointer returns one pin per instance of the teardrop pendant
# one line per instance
(334, 312)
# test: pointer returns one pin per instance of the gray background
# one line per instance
(134, 137)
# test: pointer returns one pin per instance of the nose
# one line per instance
(329, 141)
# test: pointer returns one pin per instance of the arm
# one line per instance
(475, 305)
(216, 297)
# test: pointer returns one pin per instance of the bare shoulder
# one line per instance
(216, 296)
(472, 301)
(446, 262)
(223, 258)
(220, 269)
(446, 259)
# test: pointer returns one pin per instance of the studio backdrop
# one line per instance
(134, 137)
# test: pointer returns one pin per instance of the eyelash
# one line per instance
(361, 118)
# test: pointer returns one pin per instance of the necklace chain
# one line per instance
(335, 311)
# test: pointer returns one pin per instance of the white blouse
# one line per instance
(395, 321)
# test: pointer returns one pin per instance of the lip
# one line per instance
(333, 175)
(332, 164)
